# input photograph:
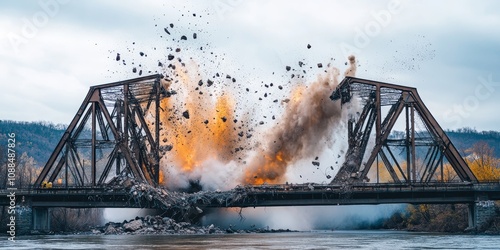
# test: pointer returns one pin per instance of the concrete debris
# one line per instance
(132, 226)
(157, 225)
(185, 114)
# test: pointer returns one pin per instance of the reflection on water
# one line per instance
(302, 240)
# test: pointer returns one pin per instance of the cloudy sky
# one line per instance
(52, 51)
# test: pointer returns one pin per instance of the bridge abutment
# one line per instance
(480, 214)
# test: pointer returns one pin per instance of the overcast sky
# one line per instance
(52, 51)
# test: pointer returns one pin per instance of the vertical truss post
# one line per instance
(93, 146)
(413, 156)
(157, 133)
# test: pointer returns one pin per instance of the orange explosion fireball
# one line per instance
(199, 124)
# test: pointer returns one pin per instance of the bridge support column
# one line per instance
(24, 220)
(41, 219)
(471, 216)
(480, 214)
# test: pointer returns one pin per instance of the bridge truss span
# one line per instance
(116, 129)
(424, 148)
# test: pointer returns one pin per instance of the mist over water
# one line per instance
(304, 218)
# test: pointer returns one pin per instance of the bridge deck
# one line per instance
(272, 195)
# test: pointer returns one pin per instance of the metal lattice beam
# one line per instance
(116, 112)
(374, 95)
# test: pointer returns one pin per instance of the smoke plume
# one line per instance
(310, 117)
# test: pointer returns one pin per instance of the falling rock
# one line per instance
(133, 225)
(320, 65)
(185, 114)
(288, 68)
(195, 36)
(183, 38)
(166, 31)
(170, 57)
(315, 163)
(308, 46)
(118, 56)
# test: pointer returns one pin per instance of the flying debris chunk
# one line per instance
(170, 57)
(224, 119)
(200, 83)
(288, 68)
(183, 38)
(206, 122)
(166, 31)
(308, 46)
(185, 114)
(209, 83)
(118, 56)
(195, 36)
(320, 65)
(315, 163)
(134, 70)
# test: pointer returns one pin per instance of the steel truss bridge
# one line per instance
(124, 140)
(273, 195)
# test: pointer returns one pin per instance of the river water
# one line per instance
(295, 240)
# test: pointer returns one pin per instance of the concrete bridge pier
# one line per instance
(480, 214)
(41, 219)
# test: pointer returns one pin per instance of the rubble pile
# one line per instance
(156, 225)
(167, 226)
(180, 205)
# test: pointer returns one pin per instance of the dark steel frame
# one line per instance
(373, 95)
(118, 123)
